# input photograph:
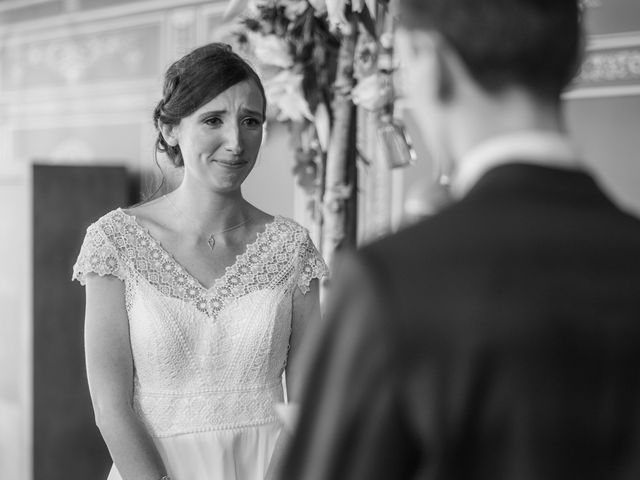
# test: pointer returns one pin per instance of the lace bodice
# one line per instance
(204, 359)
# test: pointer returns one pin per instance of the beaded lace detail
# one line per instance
(205, 359)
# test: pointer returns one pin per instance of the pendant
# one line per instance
(211, 241)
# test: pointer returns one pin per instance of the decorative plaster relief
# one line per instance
(590, 3)
(620, 66)
(89, 58)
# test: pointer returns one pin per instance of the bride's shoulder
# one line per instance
(289, 224)
(110, 219)
(293, 233)
(121, 220)
(150, 215)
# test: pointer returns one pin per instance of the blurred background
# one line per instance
(78, 83)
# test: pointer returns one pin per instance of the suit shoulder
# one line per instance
(415, 237)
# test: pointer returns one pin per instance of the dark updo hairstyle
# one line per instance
(194, 80)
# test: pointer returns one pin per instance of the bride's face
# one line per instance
(220, 141)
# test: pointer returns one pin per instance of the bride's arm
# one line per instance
(110, 374)
(305, 311)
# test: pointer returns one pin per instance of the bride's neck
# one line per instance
(209, 211)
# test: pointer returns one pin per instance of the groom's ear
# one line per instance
(429, 57)
(445, 59)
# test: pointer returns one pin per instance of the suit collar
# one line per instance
(515, 179)
(547, 149)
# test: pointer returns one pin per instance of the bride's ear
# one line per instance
(169, 133)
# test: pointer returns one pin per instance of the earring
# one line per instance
(442, 171)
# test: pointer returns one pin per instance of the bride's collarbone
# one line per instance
(192, 251)
(204, 262)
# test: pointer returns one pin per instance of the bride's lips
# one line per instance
(231, 163)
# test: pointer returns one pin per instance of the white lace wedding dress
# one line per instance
(208, 362)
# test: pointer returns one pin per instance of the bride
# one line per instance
(196, 301)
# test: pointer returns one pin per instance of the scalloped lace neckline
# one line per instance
(241, 257)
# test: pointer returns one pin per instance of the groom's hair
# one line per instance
(535, 44)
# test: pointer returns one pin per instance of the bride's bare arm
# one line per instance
(306, 311)
(110, 374)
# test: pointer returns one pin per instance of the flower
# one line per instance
(335, 12)
(294, 8)
(357, 5)
(320, 6)
(270, 50)
(284, 91)
(372, 93)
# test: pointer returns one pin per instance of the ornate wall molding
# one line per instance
(591, 3)
(80, 59)
(611, 67)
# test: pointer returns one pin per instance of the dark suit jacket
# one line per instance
(499, 339)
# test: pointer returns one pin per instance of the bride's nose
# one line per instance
(233, 140)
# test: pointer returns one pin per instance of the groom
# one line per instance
(500, 338)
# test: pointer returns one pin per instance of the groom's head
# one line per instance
(466, 63)
(533, 44)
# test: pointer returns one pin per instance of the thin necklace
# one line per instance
(211, 240)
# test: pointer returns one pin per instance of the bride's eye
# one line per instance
(213, 121)
(252, 122)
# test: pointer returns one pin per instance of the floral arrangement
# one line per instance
(319, 58)
(294, 44)
(294, 49)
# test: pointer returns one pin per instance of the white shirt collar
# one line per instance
(532, 147)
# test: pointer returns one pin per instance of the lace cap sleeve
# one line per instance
(97, 255)
(312, 265)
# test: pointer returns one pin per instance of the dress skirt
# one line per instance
(234, 454)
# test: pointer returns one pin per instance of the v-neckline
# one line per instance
(215, 285)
